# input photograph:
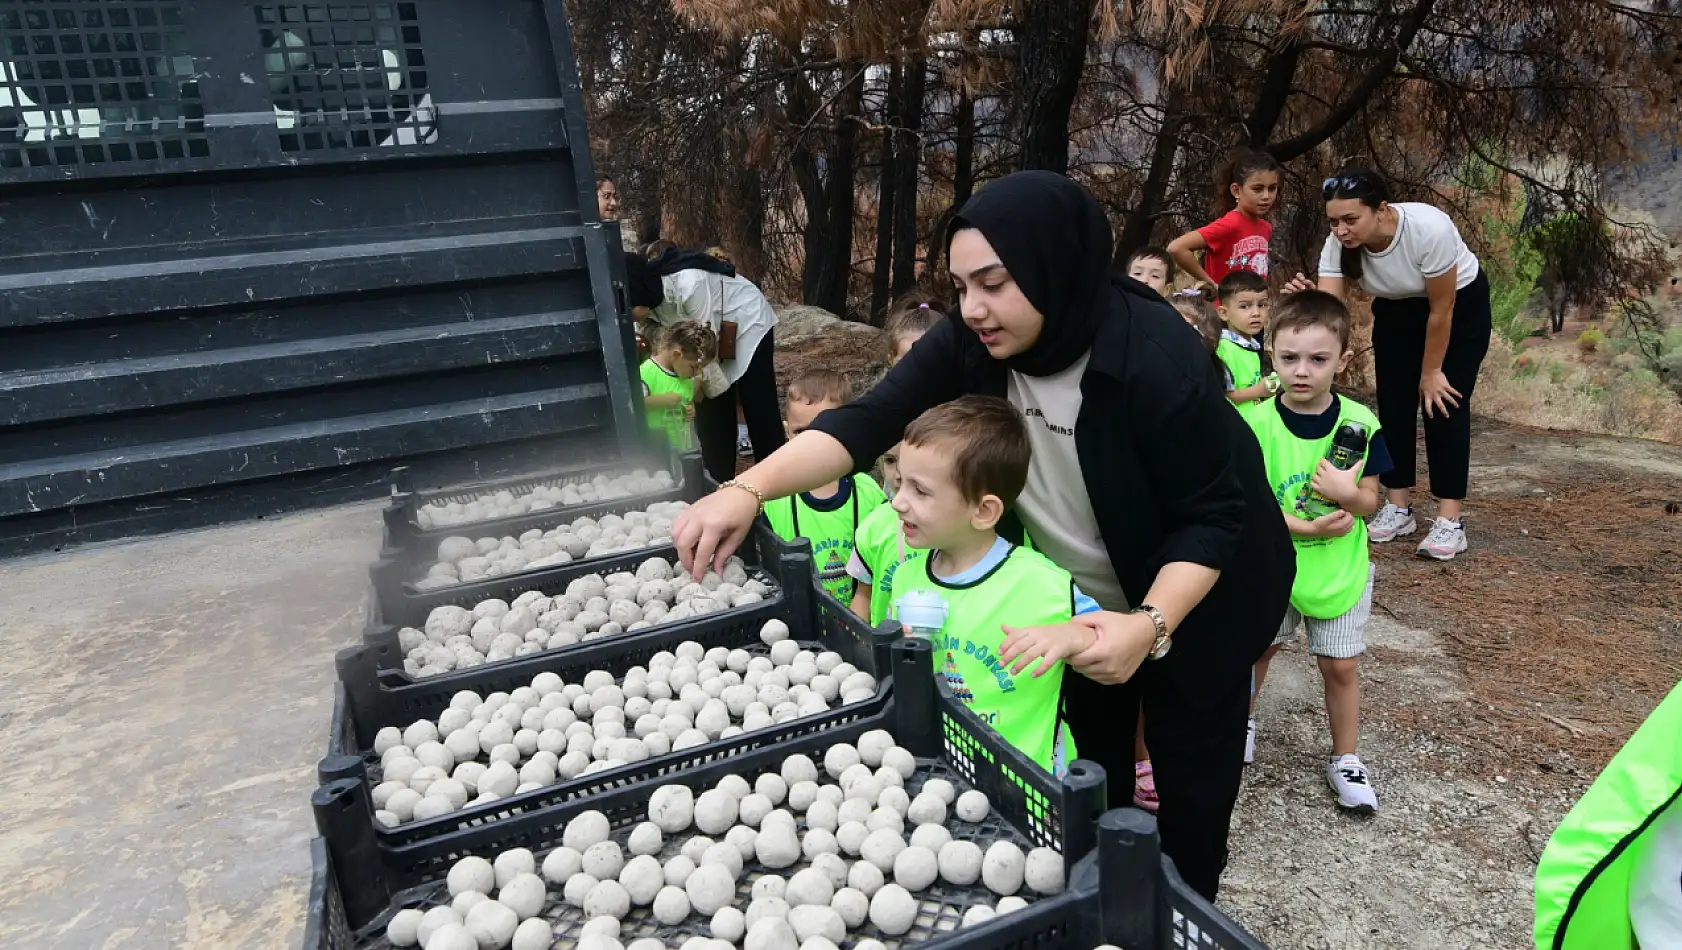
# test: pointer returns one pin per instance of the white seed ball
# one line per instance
(900, 760)
(852, 905)
(604, 860)
(736, 785)
(492, 924)
(677, 869)
(672, 808)
(753, 809)
(821, 814)
(978, 914)
(801, 795)
(799, 768)
(645, 839)
(606, 926)
(561, 864)
(689, 739)
(872, 744)
(1008, 904)
(648, 943)
(915, 868)
(777, 846)
(770, 933)
(404, 927)
(868, 944)
(895, 798)
(597, 942)
(710, 888)
(452, 937)
(850, 836)
(386, 739)
(671, 905)
(783, 652)
(885, 818)
(434, 920)
(927, 809)
(715, 811)
(818, 841)
(772, 787)
(585, 829)
(972, 805)
(1001, 868)
(812, 920)
(838, 758)
(513, 863)
(729, 924)
(472, 874)
(892, 909)
(577, 888)
(774, 631)
(402, 804)
(725, 855)
(696, 847)
(866, 790)
(743, 839)
(436, 755)
(809, 886)
(1043, 871)
(766, 907)
(933, 837)
(607, 898)
(524, 895)
(881, 847)
(433, 806)
(960, 862)
(642, 877)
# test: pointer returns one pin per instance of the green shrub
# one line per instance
(1590, 340)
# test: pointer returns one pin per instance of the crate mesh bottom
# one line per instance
(940, 907)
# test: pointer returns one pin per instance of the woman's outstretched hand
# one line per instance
(709, 531)
(1299, 282)
(1124, 640)
(1437, 394)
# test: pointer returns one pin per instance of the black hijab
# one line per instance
(674, 259)
(1052, 236)
(642, 282)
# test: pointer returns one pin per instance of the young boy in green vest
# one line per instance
(1324, 507)
(676, 355)
(878, 548)
(830, 516)
(1244, 305)
(961, 466)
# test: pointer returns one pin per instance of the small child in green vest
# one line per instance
(1244, 304)
(878, 548)
(830, 516)
(1324, 506)
(961, 466)
(676, 355)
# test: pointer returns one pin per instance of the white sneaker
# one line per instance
(1250, 742)
(1391, 523)
(1347, 775)
(1445, 540)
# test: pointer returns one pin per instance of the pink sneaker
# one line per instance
(1144, 786)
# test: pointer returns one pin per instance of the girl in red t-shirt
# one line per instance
(1237, 240)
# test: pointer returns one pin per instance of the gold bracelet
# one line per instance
(758, 495)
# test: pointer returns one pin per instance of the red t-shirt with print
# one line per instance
(1236, 242)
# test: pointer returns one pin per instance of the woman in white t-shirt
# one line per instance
(1431, 326)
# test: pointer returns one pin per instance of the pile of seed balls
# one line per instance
(825, 844)
(506, 504)
(462, 560)
(485, 748)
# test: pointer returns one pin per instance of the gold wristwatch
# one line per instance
(1164, 640)
(758, 495)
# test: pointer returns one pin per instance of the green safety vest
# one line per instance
(1583, 879)
(1331, 572)
(1244, 364)
(832, 533)
(1025, 590)
(881, 546)
(656, 381)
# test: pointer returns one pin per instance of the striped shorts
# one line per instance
(1338, 638)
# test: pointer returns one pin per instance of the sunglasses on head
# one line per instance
(1352, 181)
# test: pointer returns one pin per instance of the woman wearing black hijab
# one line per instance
(1145, 485)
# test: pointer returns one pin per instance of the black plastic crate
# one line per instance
(403, 530)
(392, 608)
(376, 876)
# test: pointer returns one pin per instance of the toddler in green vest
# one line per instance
(1244, 305)
(676, 355)
(1324, 506)
(878, 548)
(962, 464)
(830, 516)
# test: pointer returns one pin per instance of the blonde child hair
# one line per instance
(912, 315)
(696, 341)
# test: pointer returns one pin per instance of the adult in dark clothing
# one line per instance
(683, 285)
(1145, 484)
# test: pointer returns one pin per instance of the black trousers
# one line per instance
(1195, 714)
(715, 419)
(1398, 352)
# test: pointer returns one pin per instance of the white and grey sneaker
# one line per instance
(1347, 775)
(1391, 523)
(1250, 742)
(1445, 540)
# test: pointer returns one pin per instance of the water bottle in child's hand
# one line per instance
(1349, 445)
(921, 613)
